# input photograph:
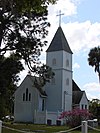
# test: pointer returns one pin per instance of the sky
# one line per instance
(81, 26)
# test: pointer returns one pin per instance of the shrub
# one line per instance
(75, 117)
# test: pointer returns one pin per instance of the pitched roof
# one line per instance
(59, 42)
(33, 79)
(77, 95)
(75, 86)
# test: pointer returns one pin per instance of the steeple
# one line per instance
(59, 42)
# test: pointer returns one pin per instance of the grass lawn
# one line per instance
(38, 128)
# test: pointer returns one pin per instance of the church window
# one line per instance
(67, 81)
(27, 94)
(85, 106)
(23, 96)
(82, 106)
(43, 104)
(54, 62)
(53, 81)
(67, 63)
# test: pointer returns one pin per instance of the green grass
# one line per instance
(33, 127)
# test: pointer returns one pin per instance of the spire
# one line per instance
(59, 42)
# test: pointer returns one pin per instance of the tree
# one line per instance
(75, 116)
(94, 59)
(23, 28)
(94, 105)
(9, 69)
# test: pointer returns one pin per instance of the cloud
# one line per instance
(81, 36)
(76, 66)
(92, 90)
(68, 7)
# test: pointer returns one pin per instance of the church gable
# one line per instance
(24, 91)
(26, 83)
(28, 93)
(84, 101)
(27, 100)
(79, 98)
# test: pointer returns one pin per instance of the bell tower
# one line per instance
(59, 58)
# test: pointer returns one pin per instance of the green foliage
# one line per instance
(94, 59)
(45, 74)
(9, 68)
(94, 105)
(23, 27)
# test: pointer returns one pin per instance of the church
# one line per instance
(43, 106)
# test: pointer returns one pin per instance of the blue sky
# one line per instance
(81, 26)
(89, 10)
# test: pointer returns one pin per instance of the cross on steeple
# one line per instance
(60, 14)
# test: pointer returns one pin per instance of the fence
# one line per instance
(84, 128)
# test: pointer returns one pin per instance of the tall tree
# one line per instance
(94, 59)
(9, 69)
(23, 28)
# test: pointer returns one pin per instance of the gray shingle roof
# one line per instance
(77, 96)
(77, 93)
(75, 86)
(59, 42)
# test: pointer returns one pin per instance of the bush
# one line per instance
(75, 117)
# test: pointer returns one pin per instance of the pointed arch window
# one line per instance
(27, 94)
(67, 81)
(43, 104)
(23, 96)
(54, 62)
(82, 106)
(53, 81)
(85, 106)
(67, 63)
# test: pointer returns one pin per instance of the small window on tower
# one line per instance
(54, 62)
(67, 81)
(67, 63)
(53, 81)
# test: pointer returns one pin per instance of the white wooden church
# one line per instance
(61, 94)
